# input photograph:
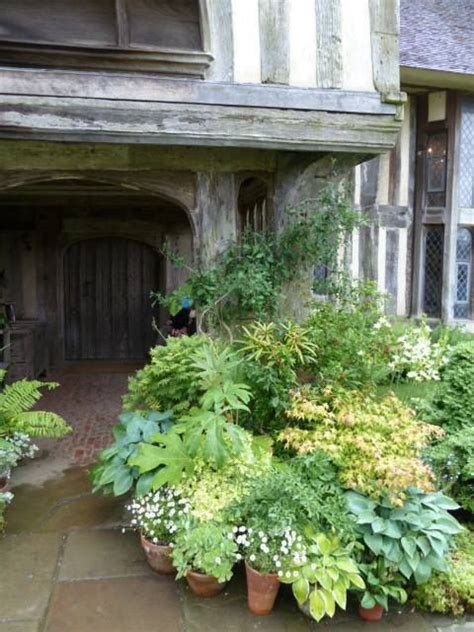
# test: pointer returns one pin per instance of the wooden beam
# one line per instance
(102, 120)
(385, 30)
(328, 44)
(131, 88)
(274, 41)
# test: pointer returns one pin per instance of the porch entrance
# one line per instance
(107, 309)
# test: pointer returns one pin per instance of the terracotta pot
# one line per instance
(204, 585)
(4, 483)
(371, 614)
(262, 590)
(158, 556)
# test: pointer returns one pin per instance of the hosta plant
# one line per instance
(206, 548)
(321, 577)
(415, 538)
(114, 472)
(382, 582)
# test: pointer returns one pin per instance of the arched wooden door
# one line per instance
(107, 309)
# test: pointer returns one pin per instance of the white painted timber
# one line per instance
(404, 157)
(302, 43)
(246, 27)
(381, 258)
(436, 106)
(357, 185)
(384, 180)
(356, 46)
(355, 267)
(402, 272)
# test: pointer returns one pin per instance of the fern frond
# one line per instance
(22, 395)
(41, 424)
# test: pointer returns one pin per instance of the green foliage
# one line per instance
(115, 473)
(415, 538)
(451, 593)
(301, 492)
(247, 280)
(5, 499)
(16, 402)
(160, 515)
(213, 492)
(382, 582)
(376, 443)
(452, 461)
(210, 431)
(453, 405)
(272, 356)
(205, 548)
(170, 381)
(352, 337)
(321, 578)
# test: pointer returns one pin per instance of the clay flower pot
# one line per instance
(158, 556)
(204, 585)
(4, 482)
(262, 590)
(371, 614)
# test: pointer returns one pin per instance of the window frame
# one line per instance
(468, 264)
(124, 56)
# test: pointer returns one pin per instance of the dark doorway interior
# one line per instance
(107, 309)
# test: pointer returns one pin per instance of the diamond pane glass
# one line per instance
(436, 169)
(466, 161)
(463, 273)
(433, 271)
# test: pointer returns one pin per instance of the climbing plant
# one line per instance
(247, 280)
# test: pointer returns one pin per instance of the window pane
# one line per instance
(165, 24)
(433, 271)
(463, 274)
(436, 169)
(466, 162)
(66, 22)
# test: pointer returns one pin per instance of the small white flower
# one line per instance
(252, 558)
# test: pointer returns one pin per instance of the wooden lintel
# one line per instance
(102, 120)
(94, 85)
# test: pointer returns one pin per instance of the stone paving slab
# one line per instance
(19, 626)
(102, 554)
(139, 604)
(28, 563)
(61, 504)
(228, 611)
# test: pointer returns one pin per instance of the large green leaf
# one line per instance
(375, 543)
(409, 545)
(323, 578)
(329, 602)
(301, 590)
(340, 594)
(317, 607)
(123, 480)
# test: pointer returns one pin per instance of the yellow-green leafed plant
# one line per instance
(322, 575)
(16, 402)
(376, 444)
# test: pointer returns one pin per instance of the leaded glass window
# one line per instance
(466, 158)
(436, 152)
(463, 274)
(433, 270)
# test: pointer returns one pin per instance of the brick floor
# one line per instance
(90, 400)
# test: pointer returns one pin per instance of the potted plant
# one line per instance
(265, 553)
(205, 553)
(322, 576)
(382, 581)
(158, 516)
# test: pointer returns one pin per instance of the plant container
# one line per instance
(371, 614)
(4, 482)
(262, 590)
(158, 556)
(204, 585)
